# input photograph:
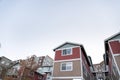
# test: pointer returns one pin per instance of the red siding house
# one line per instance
(71, 63)
(112, 56)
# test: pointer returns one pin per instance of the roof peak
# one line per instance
(76, 44)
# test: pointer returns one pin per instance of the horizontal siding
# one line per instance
(75, 72)
(115, 46)
(75, 54)
(117, 58)
(85, 62)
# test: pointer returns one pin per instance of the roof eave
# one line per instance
(66, 43)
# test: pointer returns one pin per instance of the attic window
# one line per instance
(3, 62)
(66, 52)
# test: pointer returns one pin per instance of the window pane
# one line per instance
(63, 66)
(64, 52)
(69, 66)
(68, 51)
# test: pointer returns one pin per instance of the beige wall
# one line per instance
(117, 58)
(75, 72)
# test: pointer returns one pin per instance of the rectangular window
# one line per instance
(66, 66)
(66, 52)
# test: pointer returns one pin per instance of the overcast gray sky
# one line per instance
(30, 27)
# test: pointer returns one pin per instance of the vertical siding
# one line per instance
(75, 54)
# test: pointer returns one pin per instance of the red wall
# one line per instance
(115, 46)
(75, 54)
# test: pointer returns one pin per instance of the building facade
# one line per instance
(99, 71)
(71, 63)
(5, 64)
(112, 57)
(46, 68)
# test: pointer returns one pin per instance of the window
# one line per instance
(67, 52)
(66, 66)
(7, 64)
(3, 62)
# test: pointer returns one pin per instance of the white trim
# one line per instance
(75, 77)
(112, 36)
(116, 54)
(114, 58)
(67, 48)
(81, 62)
(68, 60)
(114, 40)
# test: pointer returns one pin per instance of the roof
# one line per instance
(75, 44)
(113, 36)
(106, 45)
(67, 43)
(106, 40)
(3, 57)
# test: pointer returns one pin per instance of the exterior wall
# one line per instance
(117, 58)
(75, 72)
(87, 75)
(47, 61)
(46, 71)
(114, 49)
(77, 58)
(5, 63)
(115, 46)
(75, 54)
(110, 62)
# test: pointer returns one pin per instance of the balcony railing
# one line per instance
(102, 69)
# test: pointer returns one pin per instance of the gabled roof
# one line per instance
(3, 57)
(75, 44)
(106, 45)
(106, 40)
(113, 36)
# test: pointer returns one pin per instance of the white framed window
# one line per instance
(66, 66)
(66, 52)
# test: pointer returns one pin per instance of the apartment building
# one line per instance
(5, 64)
(99, 71)
(46, 68)
(71, 63)
(112, 57)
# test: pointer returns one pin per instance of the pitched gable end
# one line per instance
(66, 45)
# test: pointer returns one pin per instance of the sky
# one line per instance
(36, 27)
